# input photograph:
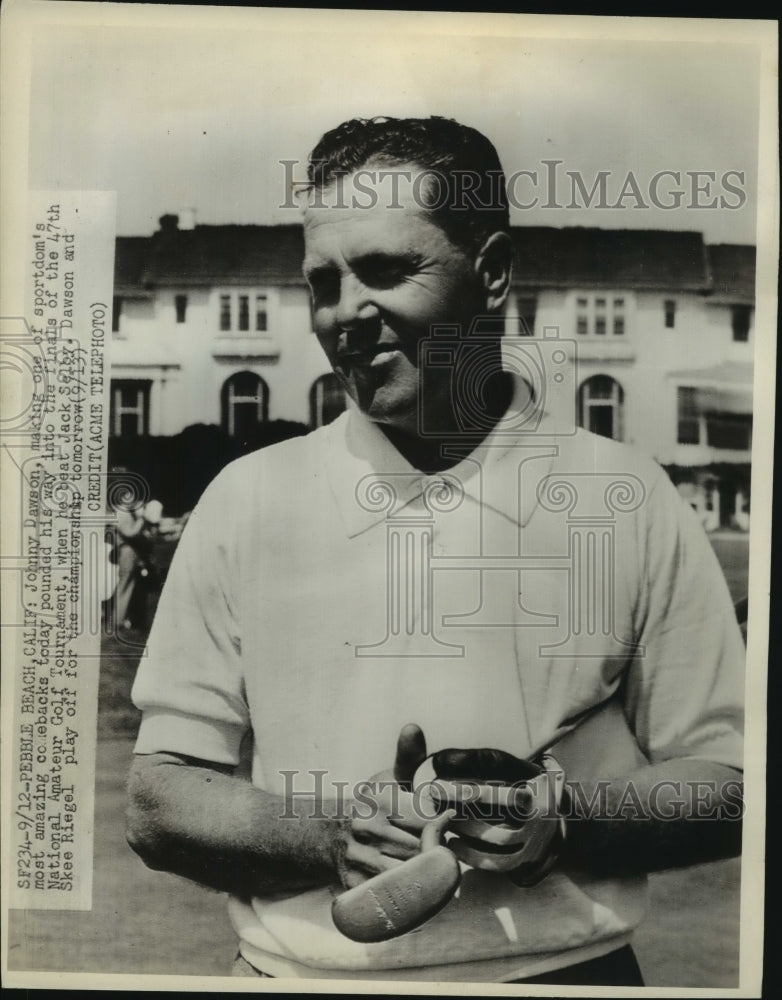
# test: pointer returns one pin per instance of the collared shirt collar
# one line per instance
(370, 479)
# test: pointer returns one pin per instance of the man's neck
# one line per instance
(440, 451)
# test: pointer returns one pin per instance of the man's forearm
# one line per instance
(197, 820)
(667, 815)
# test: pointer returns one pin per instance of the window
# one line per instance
(327, 400)
(729, 430)
(598, 315)
(261, 312)
(129, 409)
(244, 403)
(528, 308)
(670, 313)
(689, 423)
(582, 317)
(225, 312)
(180, 305)
(619, 317)
(116, 313)
(244, 313)
(601, 405)
(719, 418)
(740, 322)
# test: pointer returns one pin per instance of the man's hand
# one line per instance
(397, 873)
(385, 826)
(508, 810)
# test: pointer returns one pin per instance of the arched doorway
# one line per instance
(244, 403)
(601, 406)
(327, 400)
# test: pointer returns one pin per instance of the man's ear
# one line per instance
(493, 268)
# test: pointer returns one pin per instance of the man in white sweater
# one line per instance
(448, 553)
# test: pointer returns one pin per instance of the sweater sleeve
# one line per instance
(189, 683)
(684, 693)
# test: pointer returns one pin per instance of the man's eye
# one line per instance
(324, 287)
(385, 275)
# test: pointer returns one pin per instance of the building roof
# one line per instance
(733, 273)
(575, 257)
(213, 255)
(130, 254)
(645, 259)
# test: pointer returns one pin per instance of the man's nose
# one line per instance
(356, 305)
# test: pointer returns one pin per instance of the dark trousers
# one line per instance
(617, 968)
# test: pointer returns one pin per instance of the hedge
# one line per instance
(180, 467)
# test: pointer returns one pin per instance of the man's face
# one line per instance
(380, 278)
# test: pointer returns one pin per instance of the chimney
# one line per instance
(187, 218)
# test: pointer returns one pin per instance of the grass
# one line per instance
(117, 715)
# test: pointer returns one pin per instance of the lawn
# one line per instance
(148, 922)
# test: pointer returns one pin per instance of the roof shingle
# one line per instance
(545, 257)
(733, 273)
(610, 258)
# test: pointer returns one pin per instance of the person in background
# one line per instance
(136, 528)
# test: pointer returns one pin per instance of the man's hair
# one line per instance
(470, 201)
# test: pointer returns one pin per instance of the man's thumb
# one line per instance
(410, 754)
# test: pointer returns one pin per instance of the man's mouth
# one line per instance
(372, 358)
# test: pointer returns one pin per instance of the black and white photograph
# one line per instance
(388, 405)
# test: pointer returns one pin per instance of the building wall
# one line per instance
(189, 362)
(645, 359)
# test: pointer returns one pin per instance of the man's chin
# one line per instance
(389, 411)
